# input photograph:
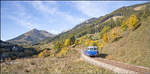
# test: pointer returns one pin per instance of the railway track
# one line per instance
(117, 67)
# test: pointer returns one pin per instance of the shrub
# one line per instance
(44, 53)
(93, 43)
(124, 26)
(63, 52)
(58, 46)
(87, 43)
(80, 41)
(76, 42)
(105, 38)
(100, 45)
(133, 22)
(72, 39)
(67, 42)
(104, 30)
(115, 33)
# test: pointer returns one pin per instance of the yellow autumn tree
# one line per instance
(105, 38)
(97, 42)
(67, 42)
(104, 30)
(101, 45)
(63, 52)
(115, 33)
(76, 42)
(91, 43)
(133, 22)
(44, 53)
(87, 43)
(80, 41)
(41, 55)
(124, 25)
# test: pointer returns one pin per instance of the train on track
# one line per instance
(91, 51)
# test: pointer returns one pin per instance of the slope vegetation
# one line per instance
(133, 48)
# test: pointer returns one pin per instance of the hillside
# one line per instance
(115, 34)
(133, 48)
(32, 37)
(95, 25)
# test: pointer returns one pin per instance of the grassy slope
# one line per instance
(72, 63)
(133, 48)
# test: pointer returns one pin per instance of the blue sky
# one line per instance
(18, 17)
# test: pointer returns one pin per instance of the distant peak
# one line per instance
(34, 29)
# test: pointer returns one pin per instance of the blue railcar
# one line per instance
(91, 51)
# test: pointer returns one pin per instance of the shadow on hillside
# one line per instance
(137, 26)
(102, 55)
(117, 39)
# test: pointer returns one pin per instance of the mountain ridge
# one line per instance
(31, 37)
(97, 24)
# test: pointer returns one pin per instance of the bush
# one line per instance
(93, 43)
(58, 46)
(44, 53)
(100, 44)
(80, 41)
(133, 22)
(63, 52)
(67, 42)
(87, 43)
(76, 42)
(104, 30)
(115, 33)
(105, 38)
(72, 39)
(124, 26)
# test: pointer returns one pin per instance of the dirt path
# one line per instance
(118, 67)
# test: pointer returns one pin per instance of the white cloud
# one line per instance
(92, 8)
(43, 8)
(23, 22)
(52, 9)
(50, 15)
(53, 31)
(55, 11)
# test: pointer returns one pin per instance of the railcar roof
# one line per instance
(92, 46)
